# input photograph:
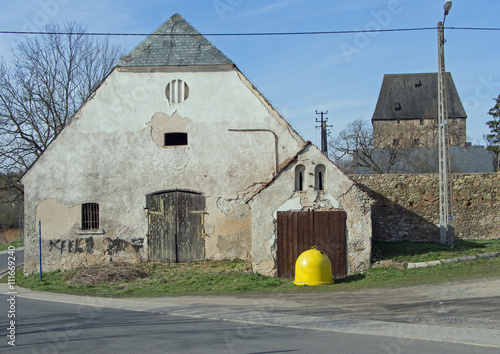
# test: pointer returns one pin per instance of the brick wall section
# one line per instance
(407, 206)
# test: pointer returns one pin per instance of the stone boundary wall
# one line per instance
(407, 206)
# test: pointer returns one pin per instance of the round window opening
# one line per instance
(177, 91)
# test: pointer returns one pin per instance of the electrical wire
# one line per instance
(252, 34)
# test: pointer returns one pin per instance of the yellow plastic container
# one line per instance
(313, 268)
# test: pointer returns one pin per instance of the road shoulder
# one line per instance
(355, 313)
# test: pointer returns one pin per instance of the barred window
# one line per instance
(90, 216)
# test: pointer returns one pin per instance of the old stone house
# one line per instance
(178, 157)
(407, 111)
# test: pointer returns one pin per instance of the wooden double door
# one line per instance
(176, 226)
(298, 231)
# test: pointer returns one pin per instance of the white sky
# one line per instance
(340, 73)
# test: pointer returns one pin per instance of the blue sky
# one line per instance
(340, 73)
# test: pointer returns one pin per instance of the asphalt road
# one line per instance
(55, 327)
(4, 258)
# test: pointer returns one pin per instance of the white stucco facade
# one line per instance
(177, 117)
(108, 155)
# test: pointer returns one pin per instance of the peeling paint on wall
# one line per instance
(57, 219)
(74, 252)
(236, 245)
(234, 208)
(162, 123)
(290, 204)
(334, 202)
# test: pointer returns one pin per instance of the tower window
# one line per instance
(300, 172)
(176, 139)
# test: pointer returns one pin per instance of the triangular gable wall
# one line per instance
(185, 47)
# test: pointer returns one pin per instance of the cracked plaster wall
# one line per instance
(111, 154)
(340, 193)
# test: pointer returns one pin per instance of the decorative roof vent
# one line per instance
(397, 106)
(418, 84)
(177, 91)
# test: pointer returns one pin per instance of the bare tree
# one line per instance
(358, 147)
(46, 82)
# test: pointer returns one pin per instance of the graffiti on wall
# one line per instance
(107, 246)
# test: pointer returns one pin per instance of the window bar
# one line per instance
(180, 92)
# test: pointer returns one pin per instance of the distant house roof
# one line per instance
(415, 96)
(175, 43)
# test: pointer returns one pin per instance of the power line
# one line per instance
(253, 33)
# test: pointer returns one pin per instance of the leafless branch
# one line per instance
(48, 80)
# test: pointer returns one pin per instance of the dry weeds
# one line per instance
(8, 235)
(99, 274)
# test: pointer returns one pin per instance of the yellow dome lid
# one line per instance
(313, 268)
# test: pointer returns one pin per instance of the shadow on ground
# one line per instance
(389, 250)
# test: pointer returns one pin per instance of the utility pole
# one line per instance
(446, 222)
(324, 131)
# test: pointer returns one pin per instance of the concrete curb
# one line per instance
(17, 249)
(452, 260)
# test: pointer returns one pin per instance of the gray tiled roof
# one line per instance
(416, 96)
(175, 43)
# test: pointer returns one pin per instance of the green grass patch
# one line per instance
(6, 246)
(234, 277)
(406, 251)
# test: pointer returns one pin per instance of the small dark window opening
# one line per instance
(320, 177)
(90, 216)
(421, 122)
(395, 142)
(416, 142)
(300, 170)
(176, 139)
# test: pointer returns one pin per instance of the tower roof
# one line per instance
(415, 96)
(175, 43)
